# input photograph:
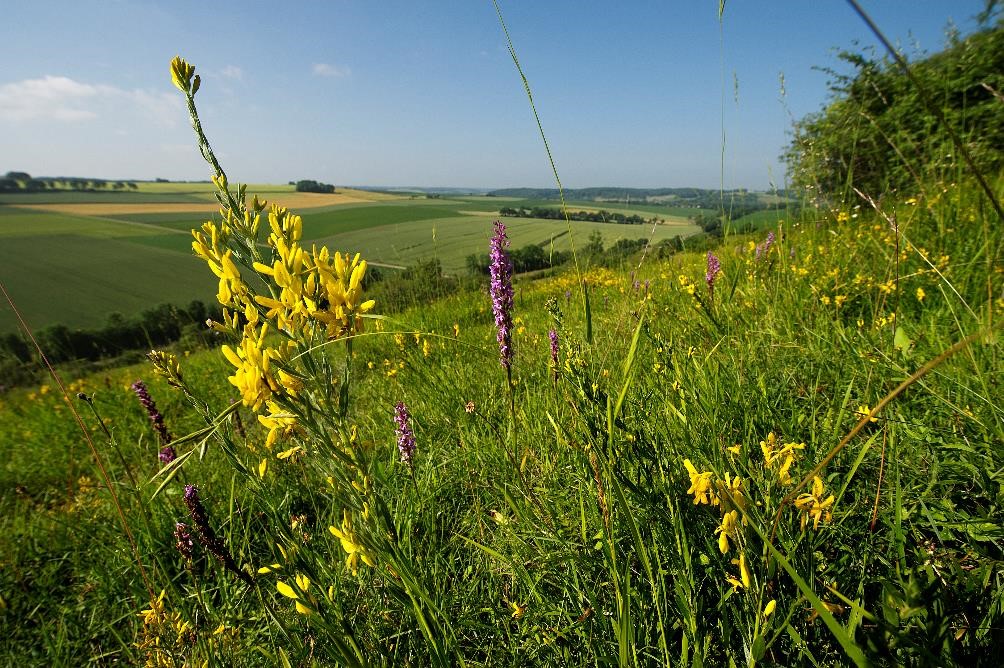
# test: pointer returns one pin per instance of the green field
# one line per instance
(75, 269)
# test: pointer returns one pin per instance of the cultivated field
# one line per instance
(73, 258)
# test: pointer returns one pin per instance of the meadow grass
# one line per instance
(563, 534)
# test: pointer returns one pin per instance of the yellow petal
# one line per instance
(286, 590)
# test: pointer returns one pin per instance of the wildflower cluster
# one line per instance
(313, 296)
(165, 635)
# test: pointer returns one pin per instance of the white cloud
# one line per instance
(57, 98)
(232, 72)
(63, 99)
(328, 70)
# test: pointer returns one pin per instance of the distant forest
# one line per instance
(13, 182)
(551, 213)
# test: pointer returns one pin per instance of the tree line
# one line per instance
(311, 186)
(16, 182)
(550, 213)
(154, 327)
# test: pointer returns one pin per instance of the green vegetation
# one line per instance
(73, 270)
(879, 134)
(783, 451)
(155, 246)
(311, 186)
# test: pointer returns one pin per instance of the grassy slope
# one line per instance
(773, 356)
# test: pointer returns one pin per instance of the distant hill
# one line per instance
(701, 198)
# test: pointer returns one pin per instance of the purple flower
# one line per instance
(714, 268)
(167, 454)
(762, 249)
(501, 293)
(213, 543)
(151, 410)
(405, 436)
(553, 335)
(183, 541)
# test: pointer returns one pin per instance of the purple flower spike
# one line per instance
(714, 268)
(501, 293)
(762, 249)
(405, 436)
(553, 335)
(151, 410)
(167, 455)
(213, 543)
(183, 541)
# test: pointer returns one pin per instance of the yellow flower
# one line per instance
(153, 614)
(786, 453)
(350, 543)
(181, 74)
(769, 609)
(921, 294)
(700, 485)
(745, 579)
(303, 584)
(728, 529)
(252, 359)
(280, 424)
(864, 411)
(814, 505)
(517, 610)
(730, 493)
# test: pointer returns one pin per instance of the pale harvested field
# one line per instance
(293, 200)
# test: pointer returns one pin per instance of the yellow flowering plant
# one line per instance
(285, 305)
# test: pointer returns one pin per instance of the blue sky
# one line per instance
(425, 93)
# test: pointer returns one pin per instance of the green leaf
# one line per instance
(902, 341)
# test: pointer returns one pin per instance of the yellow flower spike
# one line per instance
(730, 493)
(286, 590)
(181, 74)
